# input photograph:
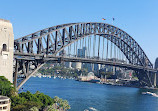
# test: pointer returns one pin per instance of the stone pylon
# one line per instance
(6, 49)
(156, 67)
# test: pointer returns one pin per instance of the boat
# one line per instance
(33, 76)
(93, 109)
(39, 76)
(54, 77)
(94, 80)
(44, 76)
(49, 76)
(150, 93)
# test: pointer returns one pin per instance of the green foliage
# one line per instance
(109, 73)
(63, 104)
(6, 87)
(27, 101)
(17, 100)
(45, 99)
(25, 106)
(34, 109)
(30, 97)
(51, 108)
(103, 73)
(19, 107)
(38, 100)
(67, 72)
(41, 99)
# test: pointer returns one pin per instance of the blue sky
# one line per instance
(139, 18)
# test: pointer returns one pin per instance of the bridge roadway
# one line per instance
(59, 59)
(43, 45)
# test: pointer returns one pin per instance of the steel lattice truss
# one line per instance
(58, 37)
(50, 41)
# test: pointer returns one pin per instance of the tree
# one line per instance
(6, 87)
(34, 109)
(63, 104)
(26, 101)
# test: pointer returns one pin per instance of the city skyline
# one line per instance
(79, 55)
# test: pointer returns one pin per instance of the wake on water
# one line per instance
(150, 93)
(91, 109)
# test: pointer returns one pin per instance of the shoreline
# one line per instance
(121, 85)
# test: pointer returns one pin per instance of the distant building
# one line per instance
(79, 54)
(96, 67)
(89, 77)
(78, 65)
(4, 103)
(68, 64)
(88, 66)
(82, 52)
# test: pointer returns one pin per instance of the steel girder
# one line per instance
(24, 69)
(50, 41)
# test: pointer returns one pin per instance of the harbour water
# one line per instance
(94, 97)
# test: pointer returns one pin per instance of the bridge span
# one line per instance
(100, 40)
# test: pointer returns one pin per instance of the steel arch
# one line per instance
(48, 42)
(57, 37)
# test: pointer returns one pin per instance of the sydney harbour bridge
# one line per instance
(103, 41)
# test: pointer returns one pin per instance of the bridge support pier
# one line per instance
(155, 80)
(15, 74)
(6, 49)
(144, 78)
(147, 78)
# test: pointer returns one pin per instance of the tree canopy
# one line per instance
(26, 101)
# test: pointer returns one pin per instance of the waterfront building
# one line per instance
(97, 67)
(68, 64)
(78, 65)
(4, 103)
(6, 49)
(89, 66)
(90, 76)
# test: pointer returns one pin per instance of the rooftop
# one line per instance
(3, 97)
(4, 20)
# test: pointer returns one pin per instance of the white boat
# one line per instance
(150, 93)
(49, 76)
(33, 76)
(44, 76)
(93, 109)
(64, 77)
